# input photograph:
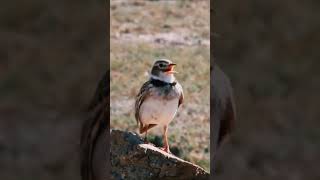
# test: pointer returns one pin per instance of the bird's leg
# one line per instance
(146, 138)
(165, 140)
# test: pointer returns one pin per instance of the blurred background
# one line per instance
(52, 54)
(142, 31)
(269, 49)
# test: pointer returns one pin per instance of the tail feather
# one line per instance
(145, 128)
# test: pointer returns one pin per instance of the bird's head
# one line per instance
(163, 69)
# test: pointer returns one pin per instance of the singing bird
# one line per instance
(159, 99)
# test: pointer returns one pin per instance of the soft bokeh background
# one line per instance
(142, 31)
(270, 51)
(52, 53)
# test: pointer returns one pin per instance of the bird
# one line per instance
(159, 99)
(93, 133)
(223, 111)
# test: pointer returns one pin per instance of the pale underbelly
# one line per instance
(157, 111)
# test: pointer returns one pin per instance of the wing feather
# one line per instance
(181, 96)
(144, 91)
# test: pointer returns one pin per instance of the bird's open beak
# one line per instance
(170, 69)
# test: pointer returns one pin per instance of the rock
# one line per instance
(132, 159)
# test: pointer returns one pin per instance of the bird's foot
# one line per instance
(166, 149)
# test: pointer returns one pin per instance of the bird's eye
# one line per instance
(161, 65)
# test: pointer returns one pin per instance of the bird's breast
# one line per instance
(158, 110)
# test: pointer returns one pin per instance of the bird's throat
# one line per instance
(168, 78)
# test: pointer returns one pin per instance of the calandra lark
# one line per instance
(159, 99)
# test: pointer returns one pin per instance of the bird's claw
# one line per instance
(166, 149)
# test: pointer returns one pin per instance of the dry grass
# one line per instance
(137, 38)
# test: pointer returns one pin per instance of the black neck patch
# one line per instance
(159, 83)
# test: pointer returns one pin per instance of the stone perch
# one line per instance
(132, 159)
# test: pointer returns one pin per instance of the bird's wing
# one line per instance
(93, 127)
(144, 91)
(181, 96)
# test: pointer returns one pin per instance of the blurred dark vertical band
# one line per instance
(52, 55)
(94, 133)
(269, 49)
(222, 104)
(107, 4)
(213, 144)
